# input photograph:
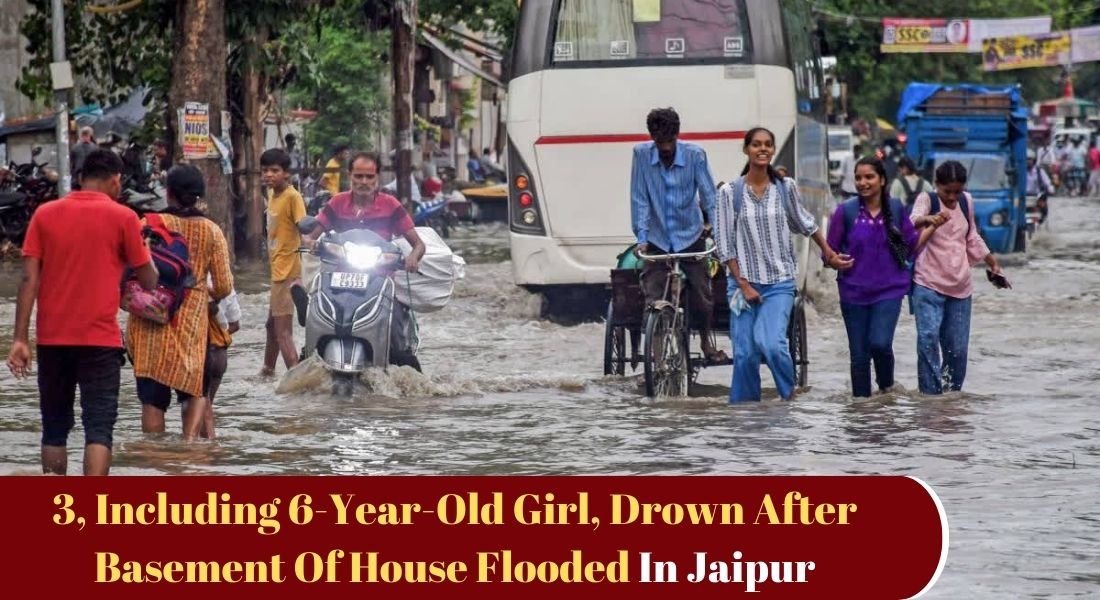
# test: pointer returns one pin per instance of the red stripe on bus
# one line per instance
(636, 138)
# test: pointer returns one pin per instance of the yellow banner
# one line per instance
(925, 35)
(1026, 51)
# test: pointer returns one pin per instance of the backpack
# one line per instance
(911, 195)
(964, 205)
(172, 259)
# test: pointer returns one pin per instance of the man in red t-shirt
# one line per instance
(74, 257)
(365, 207)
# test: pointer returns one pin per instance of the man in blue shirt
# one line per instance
(671, 193)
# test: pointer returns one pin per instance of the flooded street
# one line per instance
(1016, 459)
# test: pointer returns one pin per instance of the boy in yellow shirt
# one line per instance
(285, 208)
(330, 181)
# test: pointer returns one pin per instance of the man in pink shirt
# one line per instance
(942, 283)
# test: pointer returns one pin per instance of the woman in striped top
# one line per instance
(756, 216)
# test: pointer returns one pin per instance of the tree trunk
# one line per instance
(402, 54)
(252, 148)
(198, 75)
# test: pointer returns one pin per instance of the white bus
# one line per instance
(584, 75)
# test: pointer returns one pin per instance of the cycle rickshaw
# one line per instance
(660, 337)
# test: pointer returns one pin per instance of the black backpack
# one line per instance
(910, 194)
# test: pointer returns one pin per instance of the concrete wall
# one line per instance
(13, 57)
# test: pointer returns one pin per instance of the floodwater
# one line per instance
(1015, 459)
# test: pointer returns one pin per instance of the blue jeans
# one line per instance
(871, 337)
(942, 323)
(759, 333)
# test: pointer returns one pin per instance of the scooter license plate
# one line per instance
(349, 281)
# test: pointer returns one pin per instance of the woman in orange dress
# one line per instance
(172, 357)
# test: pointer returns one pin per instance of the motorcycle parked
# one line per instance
(23, 188)
(351, 303)
(142, 195)
(434, 213)
(317, 202)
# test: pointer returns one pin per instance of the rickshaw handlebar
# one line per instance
(680, 256)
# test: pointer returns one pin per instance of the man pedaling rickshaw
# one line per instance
(670, 181)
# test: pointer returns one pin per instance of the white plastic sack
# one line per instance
(430, 289)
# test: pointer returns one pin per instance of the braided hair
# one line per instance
(898, 248)
(773, 175)
(950, 172)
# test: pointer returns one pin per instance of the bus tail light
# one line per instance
(524, 213)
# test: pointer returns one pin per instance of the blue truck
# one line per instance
(985, 128)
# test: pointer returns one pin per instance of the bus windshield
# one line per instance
(983, 171)
(840, 142)
(651, 31)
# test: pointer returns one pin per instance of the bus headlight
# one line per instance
(529, 217)
(997, 219)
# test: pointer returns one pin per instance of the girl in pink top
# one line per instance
(942, 283)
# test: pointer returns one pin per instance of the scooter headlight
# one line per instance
(362, 257)
(997, 219)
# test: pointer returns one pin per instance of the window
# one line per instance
(840, 141)
(805, 60)
(661, 31)
(983, 172)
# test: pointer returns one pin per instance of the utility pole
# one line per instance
(403, 50)
(62, 75)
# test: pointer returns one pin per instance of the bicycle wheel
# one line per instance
(614, 345)
(665, 355)
(797, 338)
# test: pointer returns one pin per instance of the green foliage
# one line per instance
(492, 16)
(876, 80)
(345, 83)
(111, 54)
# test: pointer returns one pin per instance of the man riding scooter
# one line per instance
(366, 207)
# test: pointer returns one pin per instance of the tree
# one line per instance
(491, 16)
(346, 85)
(318, 46)
(198, 75)
(876, 80)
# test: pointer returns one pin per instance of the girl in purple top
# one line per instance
(875, 231)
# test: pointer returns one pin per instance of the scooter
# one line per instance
(351, 303)
(434, 213)
(1037, 211)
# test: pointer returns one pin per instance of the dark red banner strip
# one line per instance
(493, 537)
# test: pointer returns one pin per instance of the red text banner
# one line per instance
(496, 537)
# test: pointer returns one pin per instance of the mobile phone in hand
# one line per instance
(998, 280)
